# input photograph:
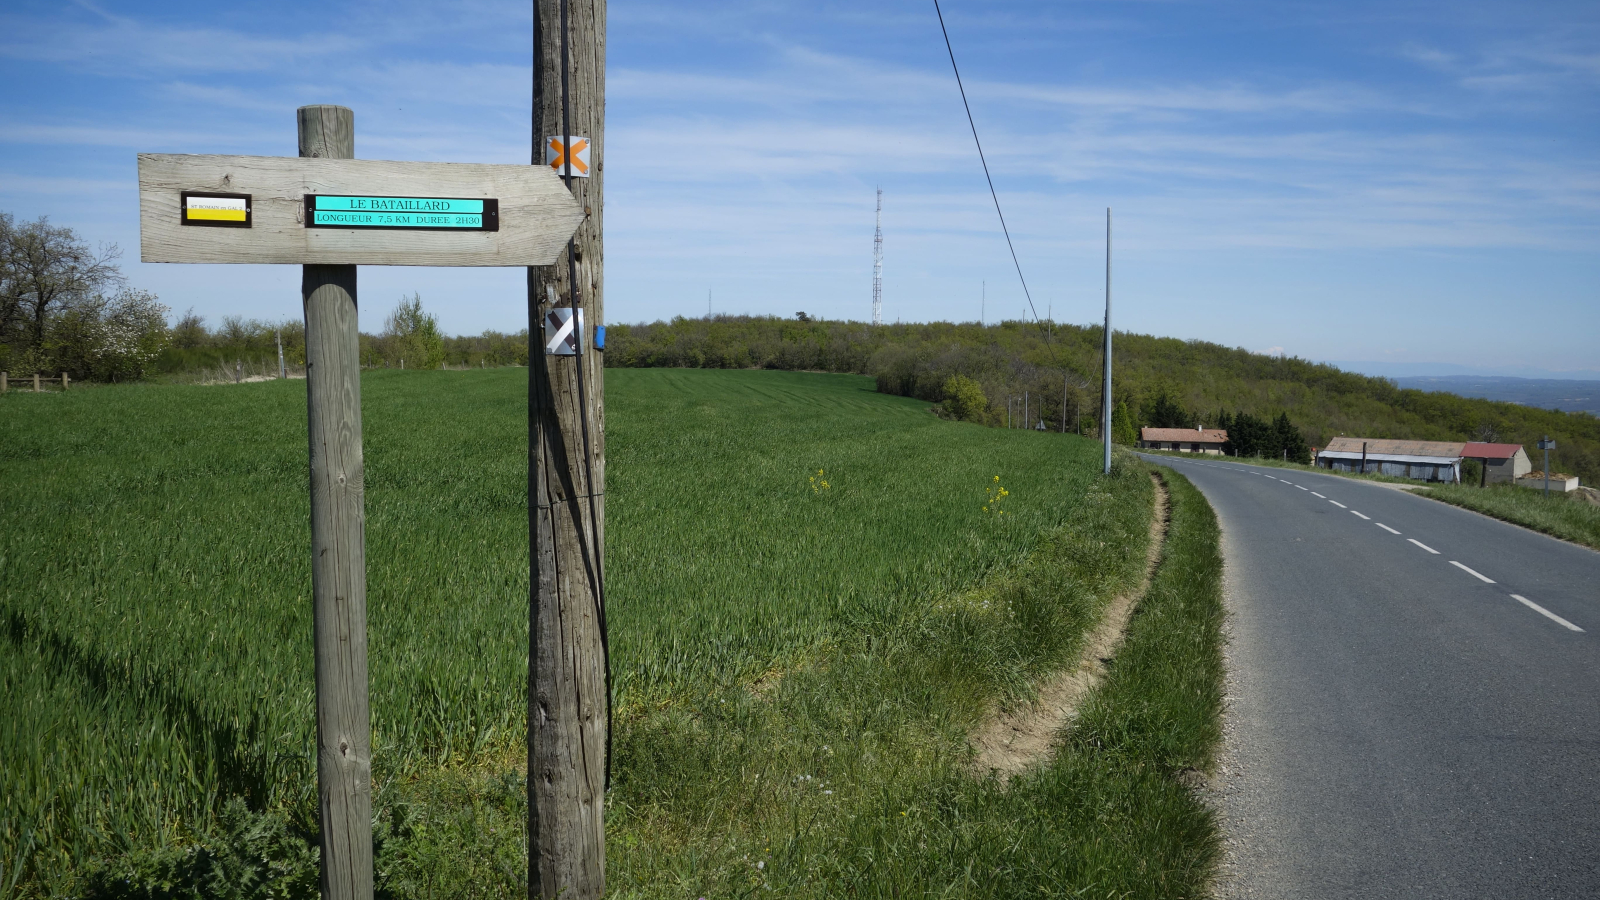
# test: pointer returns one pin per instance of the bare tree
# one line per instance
(44, 269)
(10, 296)
(190, 332)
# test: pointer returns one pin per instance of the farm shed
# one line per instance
(1502, 463)
(1422, 460)
(1184, 440)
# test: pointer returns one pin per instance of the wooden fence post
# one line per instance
(568, 703)
(36, 382)
(3, 386)
(63, 381)
(338, 545)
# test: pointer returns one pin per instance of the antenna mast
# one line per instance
(877, 266)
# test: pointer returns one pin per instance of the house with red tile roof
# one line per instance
(1184, 440)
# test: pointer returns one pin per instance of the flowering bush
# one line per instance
(108, 339)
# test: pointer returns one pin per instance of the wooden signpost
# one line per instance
(568, 688)
(329, 213)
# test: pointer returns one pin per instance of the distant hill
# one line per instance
(1057, 369)
(1392, 369)
(1546, 393)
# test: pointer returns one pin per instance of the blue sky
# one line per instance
(1401, 182)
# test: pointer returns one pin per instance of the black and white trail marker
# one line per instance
(561, 338)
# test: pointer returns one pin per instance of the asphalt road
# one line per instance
(1414, 697)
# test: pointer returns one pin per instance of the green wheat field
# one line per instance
(810, 606)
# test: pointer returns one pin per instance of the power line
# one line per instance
(981, 159)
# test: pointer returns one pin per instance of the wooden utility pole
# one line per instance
(338, 545)
(1105, 389)
(568, 689)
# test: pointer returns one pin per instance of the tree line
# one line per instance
(1057, 368)
(65, 306)
(411, 339)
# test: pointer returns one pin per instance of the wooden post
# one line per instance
(1105, 388)
(36, 382)
(338, 545)
(568, 703)
(63, 381)
(3, 386)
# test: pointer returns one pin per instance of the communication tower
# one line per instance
(877, 266)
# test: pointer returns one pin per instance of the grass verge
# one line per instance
(850, 777)
(1566, 516)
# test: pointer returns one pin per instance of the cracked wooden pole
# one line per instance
(338, 545)
(567, 684)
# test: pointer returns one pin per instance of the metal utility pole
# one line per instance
(877, 266)
(1105, 434)
(983, 305)
(1547, 445)
(338, 545)
(568, 668)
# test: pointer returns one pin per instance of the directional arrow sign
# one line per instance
(350, 212)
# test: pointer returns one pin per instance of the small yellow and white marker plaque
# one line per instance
(208, 208)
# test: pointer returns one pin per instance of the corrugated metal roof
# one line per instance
(1477, 450)
(1386, 447)
(1376, 458)
(1184, 435)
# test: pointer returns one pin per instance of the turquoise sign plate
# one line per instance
(402, 213)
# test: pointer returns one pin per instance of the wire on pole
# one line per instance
(974, 126)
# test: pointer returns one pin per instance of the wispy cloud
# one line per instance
(744, 140)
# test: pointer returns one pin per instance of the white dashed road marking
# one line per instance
(1477, 575)
(1469, 570)
(1544, 612)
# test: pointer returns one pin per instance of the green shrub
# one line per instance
(964, 399)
